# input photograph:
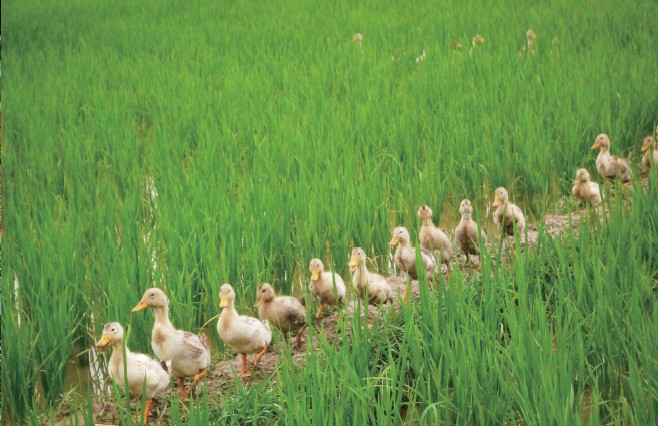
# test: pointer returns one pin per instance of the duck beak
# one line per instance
(223, 301)
(258, 303)
(103, 342)
(645, 146)
(140, 306)
(597, 144)
(496, 202)
(353, 262)
(394, 241)
(315, 275)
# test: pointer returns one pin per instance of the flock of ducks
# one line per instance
(187, 355)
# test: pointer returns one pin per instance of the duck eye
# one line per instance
(112, 330)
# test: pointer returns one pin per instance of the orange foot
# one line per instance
(181, 387)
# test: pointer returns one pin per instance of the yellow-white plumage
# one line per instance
(368, 283)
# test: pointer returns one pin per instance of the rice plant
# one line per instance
(149, 144)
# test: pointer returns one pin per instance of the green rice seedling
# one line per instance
(147, 148)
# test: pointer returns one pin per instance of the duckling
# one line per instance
(370, 283)
(466, 232)
(434, 238)
(585, 189)
(507, 214)
(649, 142)
(245, 335)
(610, 166)
(286, 312)
(405, 255)
(142, 370)
(189, 353)
(322, 286)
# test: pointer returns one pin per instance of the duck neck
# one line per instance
(263, 307)
(404, 245)
(229, 311)
(427, 221)
(362, 273)
(162, 315)
(466, 217)
(117, 352)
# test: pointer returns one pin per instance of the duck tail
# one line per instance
(166, 366)
(204, 341)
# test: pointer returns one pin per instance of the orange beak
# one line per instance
(103, 342)
(140, 306)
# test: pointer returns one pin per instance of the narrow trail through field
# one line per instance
(222, 375)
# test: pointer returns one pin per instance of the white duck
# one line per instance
(142, 370)
(610, 166)
(189, 353)
(366, 282)
(322, 286)
(245, 335)
(405, 258)
(434, 238)
(285, 312)
(467, 232)
(507, 215)
(585, 189)
(649, 148)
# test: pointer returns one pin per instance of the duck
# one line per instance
(405, 257)
(530, 37)
(467, 232)
(142, 370)
(649, 142)
(610, 166)
(368, 283)
(434, 238)
(245, 335)
(189, 353)
(585, 189)
(507, 215)
(322, 286)
(285, 312)
(529, 48)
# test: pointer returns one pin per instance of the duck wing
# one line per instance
(193, 345)
(623, 167)
(260, 327)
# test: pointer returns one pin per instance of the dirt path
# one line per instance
(222, 374)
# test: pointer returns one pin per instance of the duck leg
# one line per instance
(244, 373)
(259, 356)
(320, 309)
(197, 377)
(407, 289)
(299, 335)
(181, 387)
(147, 410)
